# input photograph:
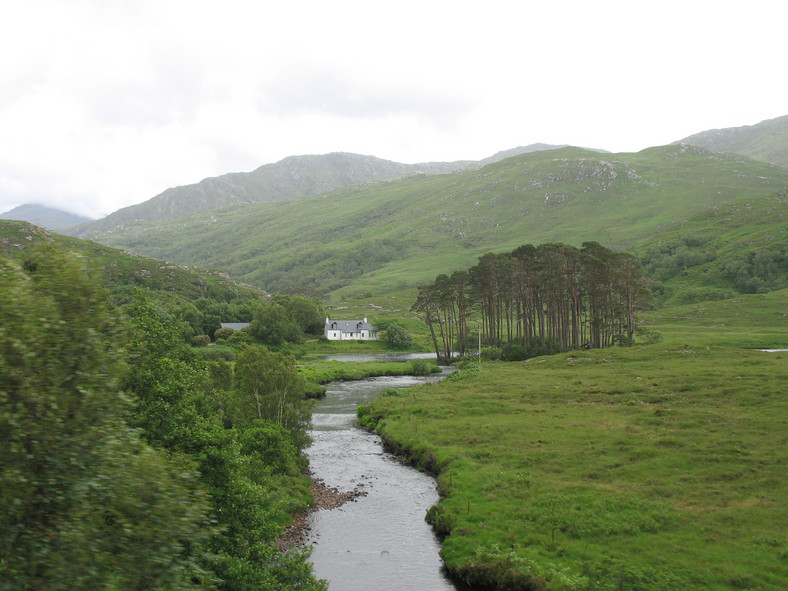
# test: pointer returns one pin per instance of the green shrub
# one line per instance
(492, 353)
(223, 333)
(201, 340)
(420, 367)
(390, 392)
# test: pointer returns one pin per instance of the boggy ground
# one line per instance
(652, 468)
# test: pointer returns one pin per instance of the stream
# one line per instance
(379, 541)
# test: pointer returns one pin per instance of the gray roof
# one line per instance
(349, 325)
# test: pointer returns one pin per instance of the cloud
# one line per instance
(308, 92)
(105, 103)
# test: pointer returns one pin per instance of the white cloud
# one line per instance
(106, 103)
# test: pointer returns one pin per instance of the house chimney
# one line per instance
(365, 319)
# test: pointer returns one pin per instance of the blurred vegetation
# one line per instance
(127, 461)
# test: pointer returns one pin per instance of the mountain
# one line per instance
(46, 217)
(395, 235)
(767, 140)
(295, 176)
(502, 155)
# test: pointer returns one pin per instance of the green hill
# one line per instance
(767, 141)
(294, 176)
(291, 177)
(737, 247)
(390, 236)
(199, 297)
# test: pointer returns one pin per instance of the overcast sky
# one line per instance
(106, 103)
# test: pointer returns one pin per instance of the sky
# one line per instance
(107, 103)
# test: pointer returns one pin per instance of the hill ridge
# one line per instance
(293, 176)
(766, 141)
(401, 233)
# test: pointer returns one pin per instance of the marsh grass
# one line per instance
(756, 321)
(659, 467)
(322, 372)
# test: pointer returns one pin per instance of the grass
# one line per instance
(654, 467)
(754, 321)
(322, 372)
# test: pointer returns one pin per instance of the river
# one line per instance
(379, 541)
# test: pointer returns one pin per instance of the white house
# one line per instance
(357, 330)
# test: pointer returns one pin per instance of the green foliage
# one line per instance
(306, 312)
(388, 392)
(537, 298)
(736, 247)
(322, 372)
(757, 272)
(201, 340)
(396, 335)
(222, 333)
(249, 465)
(84, 502)
(273, 326)
(492, 353)
(420, 367)
(268, 386)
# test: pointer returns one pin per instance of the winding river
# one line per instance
(379, 541)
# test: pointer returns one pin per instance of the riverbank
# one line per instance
(653, 468)
(318, 372)
(324, 497)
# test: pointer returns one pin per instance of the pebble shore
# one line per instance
(325, 497)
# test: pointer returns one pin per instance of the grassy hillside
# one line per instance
(391, 236)
(201, 297)
(767, 141)
(652, 468)
(737, 247)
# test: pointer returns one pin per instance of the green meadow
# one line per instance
(653, 467)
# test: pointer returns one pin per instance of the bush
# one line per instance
(397, 337)
(514, 352)
(201, 340)
(420, 367)
(223, 333)
(390, 392)
(492, 353)
(216, 353)
(238, 338)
